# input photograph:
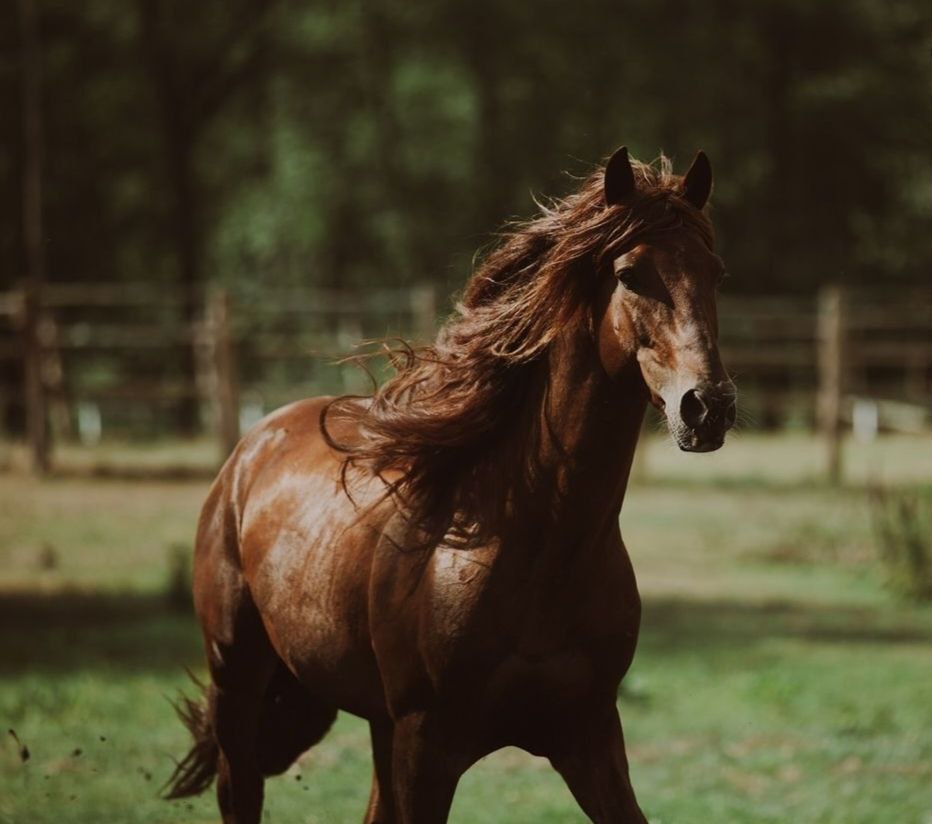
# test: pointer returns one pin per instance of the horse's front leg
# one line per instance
(591, 758)
(426, 767)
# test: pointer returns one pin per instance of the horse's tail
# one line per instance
(195, 772)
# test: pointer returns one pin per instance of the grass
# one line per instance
(776, 679)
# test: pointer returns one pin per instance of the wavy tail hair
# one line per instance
(196, 771)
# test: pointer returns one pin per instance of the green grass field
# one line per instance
(777, 678)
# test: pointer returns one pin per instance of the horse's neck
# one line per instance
(588, 430)
(565, 536)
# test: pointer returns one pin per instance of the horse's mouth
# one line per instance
(704, 446)
(689, 440)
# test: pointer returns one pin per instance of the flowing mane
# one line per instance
(447, 426)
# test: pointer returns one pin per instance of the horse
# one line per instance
(443, 558)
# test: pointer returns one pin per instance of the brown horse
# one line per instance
(444, 558)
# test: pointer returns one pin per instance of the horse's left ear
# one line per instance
(697, 184)
(619, 178)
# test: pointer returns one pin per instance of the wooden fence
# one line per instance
(125, 348)
(115, 347)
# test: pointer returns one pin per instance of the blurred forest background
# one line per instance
(381, 142)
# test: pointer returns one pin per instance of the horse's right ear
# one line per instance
(619, 178)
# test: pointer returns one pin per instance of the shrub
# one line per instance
(902, 522)
(178, 580)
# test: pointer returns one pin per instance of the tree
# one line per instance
(197, 57)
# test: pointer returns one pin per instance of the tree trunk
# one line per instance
(36, 401)
(780, 136)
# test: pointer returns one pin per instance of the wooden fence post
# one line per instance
(37, 408)
(53, 379)
(225, 381)
(831, 341)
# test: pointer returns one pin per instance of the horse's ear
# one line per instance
(619, 178)
(697, 184)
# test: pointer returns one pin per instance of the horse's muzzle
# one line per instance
(706, 413)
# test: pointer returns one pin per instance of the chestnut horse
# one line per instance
(444, 558)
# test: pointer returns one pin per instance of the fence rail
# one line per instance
(128, 344)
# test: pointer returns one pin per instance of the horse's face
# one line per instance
(661, 315)
(664, 306)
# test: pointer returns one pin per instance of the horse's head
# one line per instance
(661, 311)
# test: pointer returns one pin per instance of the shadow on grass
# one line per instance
(127, 472)
(79, 630)
(672, 625)
(136, 632)
(763, 483)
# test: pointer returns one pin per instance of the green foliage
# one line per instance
(178, 580)
(903, 529)
(306, 141)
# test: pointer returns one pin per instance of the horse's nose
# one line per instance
(701, 409)
(693, 408)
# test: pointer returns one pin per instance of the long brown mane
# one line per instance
(451, 425)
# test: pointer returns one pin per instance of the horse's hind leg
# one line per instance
(239, 781)
(262, 724)
(241, 663)
(292, 720)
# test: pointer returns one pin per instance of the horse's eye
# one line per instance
(628, 276)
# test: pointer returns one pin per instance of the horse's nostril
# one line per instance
(731, 414)
(693, 409)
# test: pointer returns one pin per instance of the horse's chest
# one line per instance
(501, 641)
(546, 630)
